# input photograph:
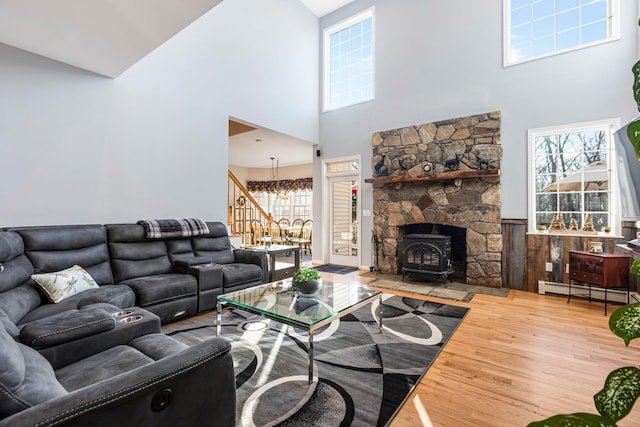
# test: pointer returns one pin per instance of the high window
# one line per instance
(539, 28)
(572, 174)
(348, 61)
(348, 166)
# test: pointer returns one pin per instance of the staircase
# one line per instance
(245, 216)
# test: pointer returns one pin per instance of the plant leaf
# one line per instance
(633, 129)
(625, 322)
(635, 267)
(636, 87)
(620, 392)
(579, 419)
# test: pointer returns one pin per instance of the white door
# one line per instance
(343, 220)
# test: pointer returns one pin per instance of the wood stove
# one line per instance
(427, 254)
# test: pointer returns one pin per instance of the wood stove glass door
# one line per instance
(344, 221)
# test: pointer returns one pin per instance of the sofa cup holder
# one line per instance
(122, 313)
(130, 319)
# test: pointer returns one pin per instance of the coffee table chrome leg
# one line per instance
(310, 357)
(380, 313)
(219, 319)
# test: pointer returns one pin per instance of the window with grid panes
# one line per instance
(301, 204)
(348, 61)
(539, 28)
(296, 204)
(571, 174)
(348, 166)
(281, 208)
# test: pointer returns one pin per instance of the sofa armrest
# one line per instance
(192, 387)
(71, 351)
(209, 276)
(67, 326)
(196, 260)
(258, 258)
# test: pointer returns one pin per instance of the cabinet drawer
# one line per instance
(581, 276)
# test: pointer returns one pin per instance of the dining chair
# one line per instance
(304, 238)
(277, 234)
(257, 233)
(283, 222)
(294, 230)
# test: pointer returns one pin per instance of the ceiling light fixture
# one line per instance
(274, 171)
(275, 176)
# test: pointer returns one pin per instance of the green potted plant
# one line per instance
(307, 280)
(622, 387)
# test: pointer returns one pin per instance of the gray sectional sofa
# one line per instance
(97, 357)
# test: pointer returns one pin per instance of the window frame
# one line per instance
(506, 35)
(610, 126)
(270, 202)
(326, 44)
(300, 200)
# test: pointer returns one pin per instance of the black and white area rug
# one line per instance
(362, 375)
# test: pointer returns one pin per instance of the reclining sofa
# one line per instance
(97, 356)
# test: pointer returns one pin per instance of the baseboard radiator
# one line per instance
(613, 295)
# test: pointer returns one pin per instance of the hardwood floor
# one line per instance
(519, 359)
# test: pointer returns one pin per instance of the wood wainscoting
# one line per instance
(528, 258)
(514, 254)
(548, 255)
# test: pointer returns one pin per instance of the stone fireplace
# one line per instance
(436, 176)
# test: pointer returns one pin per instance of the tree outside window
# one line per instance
(572, 173)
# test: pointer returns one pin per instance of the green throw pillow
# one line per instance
(65, 283)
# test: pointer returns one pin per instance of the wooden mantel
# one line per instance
(382, 180)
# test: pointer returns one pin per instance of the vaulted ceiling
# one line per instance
(105, 36)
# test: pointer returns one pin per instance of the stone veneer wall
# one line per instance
(471, 203)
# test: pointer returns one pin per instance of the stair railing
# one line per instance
(243, 209)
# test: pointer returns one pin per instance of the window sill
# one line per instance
(567, 233)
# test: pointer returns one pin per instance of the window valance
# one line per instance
(285, 185)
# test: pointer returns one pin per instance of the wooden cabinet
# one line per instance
(606, 270)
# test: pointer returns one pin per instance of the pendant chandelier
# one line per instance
(275, 176)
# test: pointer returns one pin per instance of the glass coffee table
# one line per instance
(277, 301)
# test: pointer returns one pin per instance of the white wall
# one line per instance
(241, 173)
(437, 59)
(79, 148)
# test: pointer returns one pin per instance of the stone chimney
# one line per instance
(442, 173)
